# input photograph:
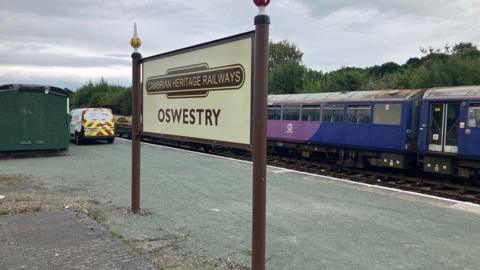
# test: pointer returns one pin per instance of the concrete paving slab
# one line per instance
(201, 205)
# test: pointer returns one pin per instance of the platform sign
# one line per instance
(201, 93)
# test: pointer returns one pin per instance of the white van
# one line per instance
(92, 124)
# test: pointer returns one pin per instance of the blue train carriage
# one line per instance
(358, 129)
(449, 133)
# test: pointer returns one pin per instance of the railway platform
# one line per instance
(197, 207)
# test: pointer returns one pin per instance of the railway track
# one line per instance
(430, 185)
(457, 189)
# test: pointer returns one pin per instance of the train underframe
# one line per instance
(450, 165)
(344, 156)
(435, 164)
(356, 158)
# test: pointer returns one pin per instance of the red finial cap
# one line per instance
(261, 3)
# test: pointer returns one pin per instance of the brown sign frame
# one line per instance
(245, 35)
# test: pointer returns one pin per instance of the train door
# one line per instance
(470, 132)
(443, 127)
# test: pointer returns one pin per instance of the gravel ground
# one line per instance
(197, 212)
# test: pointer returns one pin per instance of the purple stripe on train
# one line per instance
(297, 131)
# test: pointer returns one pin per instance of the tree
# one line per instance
(103, 94)
(345, 79)
(448, 66)
(281, 52)
(312, 81)
(285, 68)
(413, 62)
(463, 46)
(286, 78)
(387, 68)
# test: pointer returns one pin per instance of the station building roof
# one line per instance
(33, 88)
(456, 92)
(378, 95)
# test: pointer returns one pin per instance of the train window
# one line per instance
(274, 112)
(311, 113)
(474, 115)
(333, 113)
(291, 113)
(387, 114)
(359, 114)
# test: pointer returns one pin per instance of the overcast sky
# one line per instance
(66, 43)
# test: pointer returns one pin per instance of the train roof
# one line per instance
(378, 95)
(456, 92)
(33, 88)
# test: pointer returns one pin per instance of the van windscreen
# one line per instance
(98, 115)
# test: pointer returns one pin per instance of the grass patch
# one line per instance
(166, 261)
(23, 198)
(116, 234)
(8, 179)
(28, 209)
(97, 215)
(20, 210)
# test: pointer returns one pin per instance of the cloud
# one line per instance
(393, 8)
(364, 33)
(70, 42)
(70, 77)
(46, 54)
(95, 34)
(93, 9)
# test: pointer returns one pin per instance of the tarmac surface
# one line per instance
(199, 206)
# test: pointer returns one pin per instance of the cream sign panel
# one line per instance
(203, 92)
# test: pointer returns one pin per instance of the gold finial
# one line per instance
(135, 41)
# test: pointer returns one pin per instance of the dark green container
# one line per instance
(33, 117)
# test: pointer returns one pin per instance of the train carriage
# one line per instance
(376, 128)
(449, 132)
(436, 130)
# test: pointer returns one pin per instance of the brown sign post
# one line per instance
(259, 155)
(136, 116)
